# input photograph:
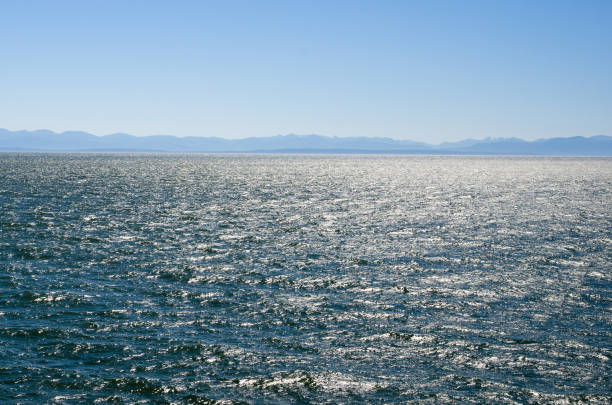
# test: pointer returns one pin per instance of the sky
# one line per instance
(429, 71)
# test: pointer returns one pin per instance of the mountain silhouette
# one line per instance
(76, 141)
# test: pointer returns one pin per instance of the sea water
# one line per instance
(279, 279)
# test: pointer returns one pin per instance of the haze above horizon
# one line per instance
(425, 71)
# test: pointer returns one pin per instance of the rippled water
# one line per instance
(307, 279)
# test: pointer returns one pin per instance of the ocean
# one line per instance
(274, 279)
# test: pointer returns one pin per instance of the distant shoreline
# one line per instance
(49, 141)
(295, 153)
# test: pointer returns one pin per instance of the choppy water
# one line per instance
(306, 279)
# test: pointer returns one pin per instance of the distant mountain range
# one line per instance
(75, 141)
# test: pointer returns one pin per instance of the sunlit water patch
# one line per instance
(308, 279)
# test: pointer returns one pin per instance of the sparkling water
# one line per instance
(304, 279)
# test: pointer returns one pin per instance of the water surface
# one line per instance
(304, 279)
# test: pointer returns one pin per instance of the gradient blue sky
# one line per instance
(425, 70)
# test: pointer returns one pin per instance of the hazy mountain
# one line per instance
(593, 146)
(459, 144)
(73, 141)
(44, 140)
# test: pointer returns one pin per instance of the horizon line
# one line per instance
(489, 138)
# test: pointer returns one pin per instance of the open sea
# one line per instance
(274, 279)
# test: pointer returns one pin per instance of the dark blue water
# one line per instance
(304, 279)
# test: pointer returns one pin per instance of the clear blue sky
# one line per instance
(423, 70)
